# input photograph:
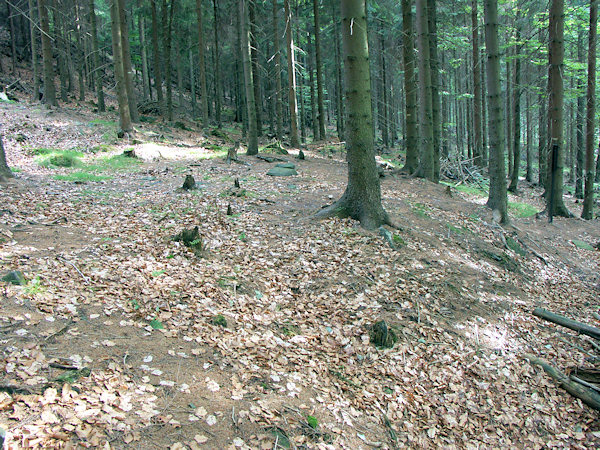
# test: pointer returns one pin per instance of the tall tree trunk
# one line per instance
(362, 198)
(168, 42)
(311, 81)
(319, 64)
(435, 81)
(516, 147)
(49, 89)
(34, 51)
(246, 62)
(477, 140)
(529, 170)
(96, 59)
(13, 44)
(384, 124)
(192, 78)
(341, 115)
(580, 152)
(278, 87)
(497, 200)
(127, 68)
(427, 167)
(5, 172)
(255, 64)
(124, 115)
(143, 50)
(217, 64)
(484, 134)
(157, 59)
(201, 64)
(410, 89)
(588, 198)
(508, 113)
(554, 199)
(294, 139)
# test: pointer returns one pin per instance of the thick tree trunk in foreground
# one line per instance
(435, 88)
(294, 139)
(124, 115)
(248, 82)
(497, 197)
(410, 88)
(427, 168)
(516, 147)
(588, 196)
(556, 53)
(49, 89)
(5, 172)
(362, 198)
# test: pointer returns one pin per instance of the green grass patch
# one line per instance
(522, 209)
(112, 163)
(420, 210)
(470, 189)
(103, 123)
(58, 158)
(81, 176)
(15, 170)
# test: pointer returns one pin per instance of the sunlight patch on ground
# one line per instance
(150, 150)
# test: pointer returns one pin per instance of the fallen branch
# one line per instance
(587, 396)
(568, 323)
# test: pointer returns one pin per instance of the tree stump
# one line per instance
(381, 335)
(190, 238)
(189, 183)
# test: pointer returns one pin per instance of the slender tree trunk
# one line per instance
(192, 78)
(13, 45)
(34, 52)
(246, 62)
(127, 68)
(508, 112)
(201, 65)
(529, 170)
(427, 168)
(277, 69)
(362, 198)
(5, 172)
(217, 64)
(580, 152)
(554, 199)
(516, 147)
(142, 33)
(49, 89)
(477, 140)
(341, 115)
(435, 81)
(319, 67)
(96, 59)
(294, 139)
(410, 89)
(384, 124)
(255, 64)
(497, 200)
(588, 197)
(124, 115)
(157, 59)
(484, 134)
(311, 81)
(168, 42)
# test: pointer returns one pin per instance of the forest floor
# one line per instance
(108, 290)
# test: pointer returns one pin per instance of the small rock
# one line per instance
(15, 277)
(282, 172)
(286, 165)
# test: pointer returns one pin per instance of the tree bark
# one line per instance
(427, 167)
(574, 325)
(124, 115)
(201, 64)
(294, 139)
(217, 64)
(254, 58)
(435, 81)
(278, 87)
(248, 82)
(127, 68)
(588, 197)
(497, 200)
(5, 172)
(319, 69)
(34, 51)
(144, 54)
(516, 147)
(168, 40)
(384, 123)
(49, 89)
(579, 153)
(477, 140)
(410, 89)
(157, 59)
(362, 198)
(554, 198)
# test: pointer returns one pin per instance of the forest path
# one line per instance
(109, 290)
